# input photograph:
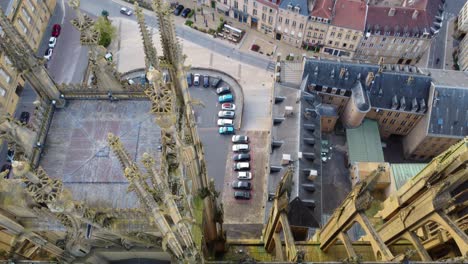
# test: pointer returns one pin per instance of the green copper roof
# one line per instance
(364, 143)
(403, 172)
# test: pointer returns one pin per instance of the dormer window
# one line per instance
(325, 20)
(312, 18)
(387, 33)
(290, 6)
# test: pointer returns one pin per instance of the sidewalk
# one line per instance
(451, 44)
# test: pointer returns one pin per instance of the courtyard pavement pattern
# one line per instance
(76, 150)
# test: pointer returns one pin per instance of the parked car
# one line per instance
(241, 166)
(189, 79)
(6, 167)
(228, 106)
(185, 13)
(226, 114)
(240, 148)
(126, 11)
(196, 79)
(56, 30)
(240, 195)
(215, 81)
(225, 122)
(241, 185)
(224, 130)
(24, 117)
(48, 54)
(52, 42)
(178, 10)
(206, 81)
(223, 90)
(241, 157)
(226, 98)
(239, 139)
(244, 175)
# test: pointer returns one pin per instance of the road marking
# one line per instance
(63, 11)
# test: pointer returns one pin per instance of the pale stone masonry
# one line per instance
(30, 18)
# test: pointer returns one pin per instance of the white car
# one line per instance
(240, 148)
(225, 122)
(126, 11)
(244, 175)
(241, 166)
(52, 42)
(226, 114)
(240, 139)
(48, 54)
(196, 79)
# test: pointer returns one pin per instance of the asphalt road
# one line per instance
(95, 7)
(438, 46)
(216, 146)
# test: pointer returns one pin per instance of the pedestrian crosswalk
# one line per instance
(271, 66)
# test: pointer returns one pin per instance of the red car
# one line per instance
(56, 30)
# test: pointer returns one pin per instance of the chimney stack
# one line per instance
(369, 78)
(415, 14)
(410, 80)
(342, 72)
(394, 102)
(391, 12)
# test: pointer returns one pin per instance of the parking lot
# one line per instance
(215, 145)
(247, 211)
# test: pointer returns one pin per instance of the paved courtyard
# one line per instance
(76, 149)
(256, 83)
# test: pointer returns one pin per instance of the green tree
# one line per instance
(105, 13)
(106, 31)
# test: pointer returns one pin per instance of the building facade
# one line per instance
(292, 21)
(463, 54)
(346, 29)
(318, 24)
(30, 18)
(462, 21)
(446, 121)
(399, 35)
(264, 15)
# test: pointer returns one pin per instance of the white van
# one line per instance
(244, 175)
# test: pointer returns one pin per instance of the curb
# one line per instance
(238, 94)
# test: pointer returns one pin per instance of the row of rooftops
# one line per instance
(420, 18)
(398, 88)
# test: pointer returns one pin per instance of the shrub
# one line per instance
(189, 23)
(105, 39)
(220, 27)
(211, 31)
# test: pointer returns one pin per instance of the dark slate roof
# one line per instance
(449, 113)
(300, 215)
(387, 84)
(302, 4)
(310, 117)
